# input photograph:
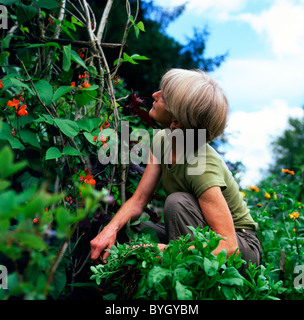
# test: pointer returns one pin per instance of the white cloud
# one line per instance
(257, 81)
(283, 25)
(218, 7)
(250, 135)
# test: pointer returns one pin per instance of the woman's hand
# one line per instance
(104, 240)
(131, 209)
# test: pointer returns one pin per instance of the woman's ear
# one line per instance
(176, 125)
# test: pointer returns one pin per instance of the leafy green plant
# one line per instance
(125, 265)
(59, 92)
(185, 270)
(186, 273)
(275, 206)
(35, 233)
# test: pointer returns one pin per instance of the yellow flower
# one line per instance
(288, 171)
(267, 195)
(294, 215)
(243, 193)
(254, 188)
(275, 196)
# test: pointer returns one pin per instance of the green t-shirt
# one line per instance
(214, 172)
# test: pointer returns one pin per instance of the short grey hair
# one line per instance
(195, 100)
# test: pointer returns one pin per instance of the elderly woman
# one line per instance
(189, 99)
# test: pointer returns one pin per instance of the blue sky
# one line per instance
(225, 36)
(263, 74)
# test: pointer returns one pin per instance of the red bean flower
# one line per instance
(88, 179)
(22, 112)
(13, 103)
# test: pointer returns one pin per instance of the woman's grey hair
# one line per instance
(195, 100)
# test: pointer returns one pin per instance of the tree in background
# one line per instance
(287, 147)
(288, 154)
(163, 51)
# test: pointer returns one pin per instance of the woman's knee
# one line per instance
(177, 202)
(181, 210)
(173, 201)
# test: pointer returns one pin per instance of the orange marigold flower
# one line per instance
(294, 215)
(13, 103)
(259, 205)
(288, 171)
(254, 188)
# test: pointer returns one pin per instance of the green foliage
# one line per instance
(29, 225)
(57, 97)
(185, 270)
(274, 205)
(286, 147)
(59, 91)
(188, 270)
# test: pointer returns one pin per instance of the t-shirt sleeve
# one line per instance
(211, 177)
(157, 145)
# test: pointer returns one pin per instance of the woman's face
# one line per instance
(158, 111)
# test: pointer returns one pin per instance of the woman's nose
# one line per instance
(156, 94)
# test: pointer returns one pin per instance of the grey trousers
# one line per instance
(181, 210)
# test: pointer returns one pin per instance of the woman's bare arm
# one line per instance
(132, 209)
(218, 217)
